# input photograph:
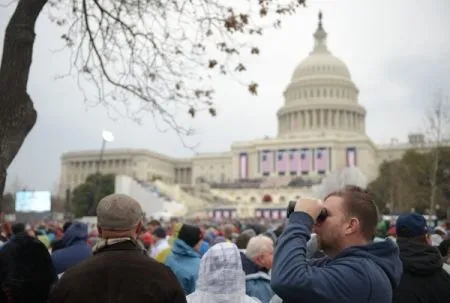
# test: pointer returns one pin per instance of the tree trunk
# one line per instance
(17, 114)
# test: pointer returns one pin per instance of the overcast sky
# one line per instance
(398, 54)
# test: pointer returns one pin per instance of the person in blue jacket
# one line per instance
(76, 249)
(184, 260)
(355, 269)
(203, 248)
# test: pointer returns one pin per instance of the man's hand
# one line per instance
(310, 206)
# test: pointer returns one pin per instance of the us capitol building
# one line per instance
(321, 128)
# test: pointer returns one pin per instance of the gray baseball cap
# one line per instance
(118, 212)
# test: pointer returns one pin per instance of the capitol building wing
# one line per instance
(321, 128)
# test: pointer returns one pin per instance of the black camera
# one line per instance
(320, 218)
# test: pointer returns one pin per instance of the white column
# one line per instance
(314, 122)
(351, 121)
(307, 119)
(303, 117)
(288, 122)
(344, 119)
(322, 118)
(340, 119)
(293, 117)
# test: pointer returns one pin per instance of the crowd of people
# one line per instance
(335, 250)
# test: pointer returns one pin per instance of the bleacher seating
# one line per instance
(276, 182)
(268, 182)
(301, 182)
(242, 183)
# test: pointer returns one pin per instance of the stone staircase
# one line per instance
(221, 194)
(193, 204)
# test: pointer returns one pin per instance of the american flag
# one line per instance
(304, 160)
(282, 161)
(267, 161)
(321, 159)
(294, 160)
(351, 156)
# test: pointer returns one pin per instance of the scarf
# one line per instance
(108, 242)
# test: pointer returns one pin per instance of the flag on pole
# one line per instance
(305, 160)
(294, 161)
(267, 161)
(321, 159)
(282, 161)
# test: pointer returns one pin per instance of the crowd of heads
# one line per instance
(351, 218)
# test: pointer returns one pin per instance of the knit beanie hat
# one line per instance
(411, 225)
(190, 234)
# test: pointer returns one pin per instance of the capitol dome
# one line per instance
(321, 64)
(321, 95)
(320, 61)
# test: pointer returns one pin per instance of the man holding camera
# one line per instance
(355, 269)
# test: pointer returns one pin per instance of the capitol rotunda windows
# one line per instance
(307, 119)
(305, 93)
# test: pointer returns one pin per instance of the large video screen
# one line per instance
(33, 201)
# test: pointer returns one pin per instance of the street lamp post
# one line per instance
(106, 137)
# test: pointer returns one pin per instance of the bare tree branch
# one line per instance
(9, 3)
(437, 130)
(159, 58)
(155, 58)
